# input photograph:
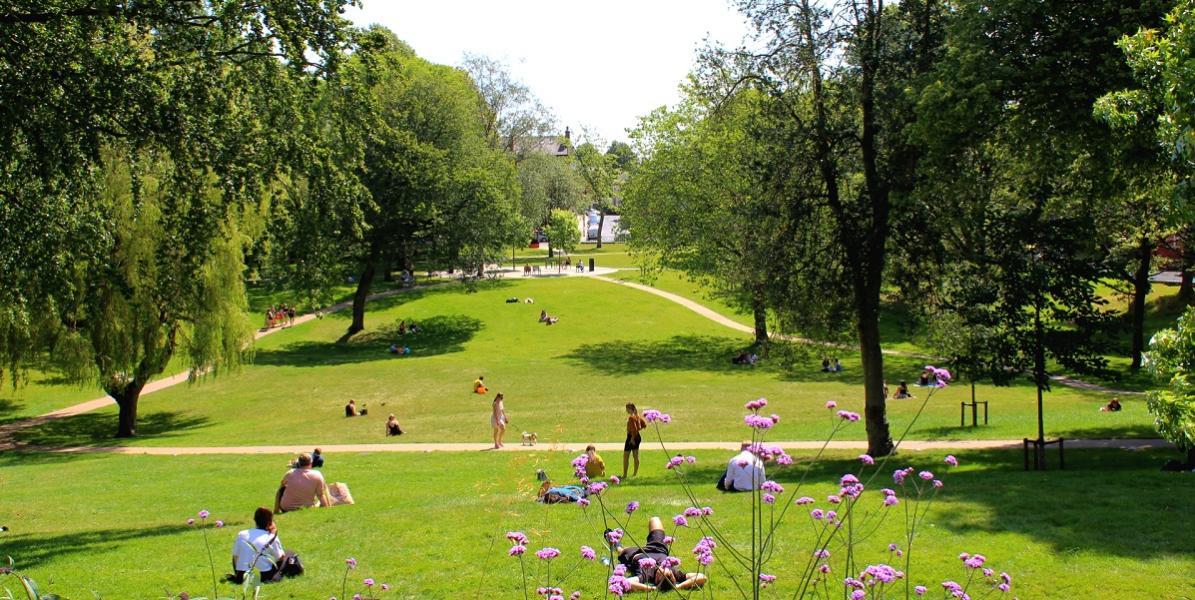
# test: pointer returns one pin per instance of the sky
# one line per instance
(597, 65)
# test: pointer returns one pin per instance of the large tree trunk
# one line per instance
(760, 311)
(875, 405)
(126, 398)
(601, 225)
(1186, 292)
(1140, 293)
(362, 293)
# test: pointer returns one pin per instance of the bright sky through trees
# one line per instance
(596, 64)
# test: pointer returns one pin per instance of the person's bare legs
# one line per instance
(501, 432)
(626, 459)
(635, 452)
(497, 438)
(655, 524)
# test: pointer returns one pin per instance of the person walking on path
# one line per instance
(635, 424)
(498, 421)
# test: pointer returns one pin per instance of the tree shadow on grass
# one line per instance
(1108, 501)
(680, 353)
(32, 549)
(96, 430)
(441, 334)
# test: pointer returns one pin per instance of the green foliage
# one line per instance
(563, 233)
(548, 183)
(1171, 359)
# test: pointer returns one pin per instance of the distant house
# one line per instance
(545, 144)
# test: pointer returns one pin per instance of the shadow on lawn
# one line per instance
(437, 335)
(97, 430)
(1113, 502)
(681, 352)
(30, 549)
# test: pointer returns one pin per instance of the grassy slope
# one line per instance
(115, 525)
(565, 382)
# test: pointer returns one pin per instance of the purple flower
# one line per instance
(831, 405)
(756, 404)
(632, 506)
(817, 513)
(575, 595)
(385, 587)
(203, 514)
(547, 553)
(655, 416)
(858, 595)
(867, 459)
(614, 480)
(951, 460)
(515, 537)
(758, 422)
(1003, 587)
(596, 488)
(646, 563)
(890, 501)
(892, 547)
(190, 521)
(832, 499)
(674, 462)
(368, 582)
(937, 483)
(823, 553)
(707, 511)
(587, 553)
(614, 536)
(847, 415)
(352, 562)
(766, 579)
(975, 561)
(517, 550)
(219, 524)
(680, 521)
(926, 475)
(804, 500)
(920, 590)
(823, 568)
(772, 486)
(668, 540)
(768, 498)
(583, 502)
(692, 511)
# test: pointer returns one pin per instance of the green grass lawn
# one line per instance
(432, 525)
(566, 382)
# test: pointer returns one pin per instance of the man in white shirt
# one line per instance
(744, 472)
(257, 548)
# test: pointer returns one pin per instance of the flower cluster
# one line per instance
(759, 422)
(655, 416)
(677, 460)
(518, 546)
(547, 553)
(941, 376)
(704, 550)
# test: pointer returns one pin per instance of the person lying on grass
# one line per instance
(650, 568)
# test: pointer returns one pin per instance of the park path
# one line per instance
(326, 449)
(724, 321)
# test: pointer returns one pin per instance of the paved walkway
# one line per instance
(908, 446)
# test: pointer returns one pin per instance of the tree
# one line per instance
(548, 183)
(128, 177)
(624, 155)
(846, 73)
(562, 231)
(1172, 360)
(511, 112)
(433, 179)
(701, 203)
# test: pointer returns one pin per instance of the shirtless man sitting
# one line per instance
(301, 487)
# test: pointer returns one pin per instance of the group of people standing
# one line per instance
(281, 314)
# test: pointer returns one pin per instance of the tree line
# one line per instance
(157, 155)
(988, 165)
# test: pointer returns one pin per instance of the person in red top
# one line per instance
(635, 424)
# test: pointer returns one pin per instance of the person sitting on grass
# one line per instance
(651, 568)
(414, 328)
(825, 365)
(402, 327)
(744, 473)
(317, 459)
(1112, 406)
(595, 467)
(551, 320)
(835, 366)
(392, 427)
(301, 487)
(543, 316)
(479, 385)
(902, 391)
(259, 548)
(350, 409)
(925, 378)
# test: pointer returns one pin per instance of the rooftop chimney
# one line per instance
(567, 134)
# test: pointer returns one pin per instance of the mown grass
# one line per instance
(566, 382)
(432, 525)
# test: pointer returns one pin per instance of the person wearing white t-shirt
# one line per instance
(744, 472)
(257, 548)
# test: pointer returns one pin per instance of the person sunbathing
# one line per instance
(479, 385)
(650, 568)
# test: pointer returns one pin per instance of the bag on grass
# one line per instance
(340, 494)
(563, 494)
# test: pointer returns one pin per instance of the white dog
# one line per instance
(529, 439)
